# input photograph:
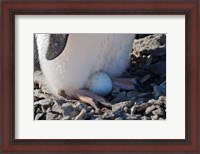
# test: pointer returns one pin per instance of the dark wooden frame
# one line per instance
(11, 8)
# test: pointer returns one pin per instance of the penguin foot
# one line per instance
(125, 83)
(88, 97)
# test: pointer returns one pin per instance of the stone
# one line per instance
(134, 117)
(150, 109)
(157, 91)
(151, 101)
(53, 116)
(159, 51)
(43, 102)
(132, 94)
(57, 108)
(68, 110)
(40, 116)
(115, 91)
(142, 107)
(149, 60)
(159, 112)
(120, 97)
(145, 118)
(145, 78)
(108, 115)
(38, 93)
(126, 109)
(158, 68)
(134, 109)
(154, 117)
(66, 118)
(141, 100)
(81, 115)
(117, 108)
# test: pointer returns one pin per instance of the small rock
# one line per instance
(81, 115)
(141, 100)
(149, 60)
(132, 94)
(108, 115)
(157, 91)
(57, 108)
(120, 97)
(150, 109)
(40, 116)
(154, 117)
(126, 109)
(118, 118)
(158, 68)
(134, 109)
(53, 116)
(115, 91)
(60, 101)
(159, 52)
(159, 112)
(151, 101)
(117, 108)
(68, 110)
(142, 107)
(66, 118)
(43, 102)
(145, 78)
(134, 117)
(145, 118)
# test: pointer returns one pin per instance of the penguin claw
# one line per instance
(88, 98)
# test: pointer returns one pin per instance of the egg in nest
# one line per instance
(100, 84)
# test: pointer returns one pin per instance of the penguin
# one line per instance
(68, 60)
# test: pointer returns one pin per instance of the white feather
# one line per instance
(84, 55)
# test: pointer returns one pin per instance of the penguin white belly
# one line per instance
(84, 55)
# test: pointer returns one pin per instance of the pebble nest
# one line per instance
(146, 102)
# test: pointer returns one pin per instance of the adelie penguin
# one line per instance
(69, 60)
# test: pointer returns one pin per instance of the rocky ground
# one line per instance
(146, 102)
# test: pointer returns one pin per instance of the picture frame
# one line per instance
(190, 9)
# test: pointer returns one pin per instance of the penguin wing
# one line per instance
(57, 44)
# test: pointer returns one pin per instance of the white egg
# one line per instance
(100, 84)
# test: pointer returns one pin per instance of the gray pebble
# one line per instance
(117, 108)
(57, 108)
(43, 102)
(155, 117)
(66, 118)
(159, 112)
(145, 78)
(151, 101)
(126, 109)
(134, 109)
(115, 91)
(120, 97)
(108, 115)
(134, 117)
(158, 68)
(145, 118)
(68, 110)
(132, 94)
(157, 91)
(81, 115)
(150, 109)
(40, 116)
(118, 118)
(141, 100)
(142, 107)
(159, 52)
(53, 116)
